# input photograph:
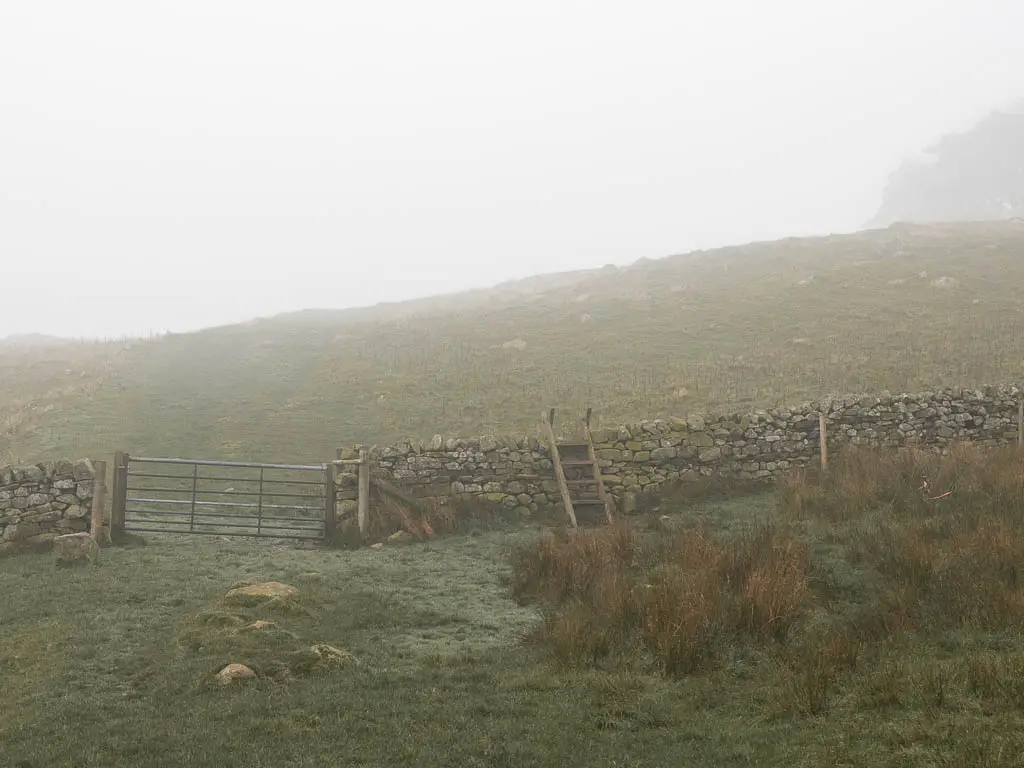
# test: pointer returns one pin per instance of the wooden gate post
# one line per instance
(364, 492)
(823, 441)
(119, 497)
(330, 502)
(99, 502)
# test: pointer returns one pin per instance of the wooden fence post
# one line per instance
(99, 502)
(1020, 425)
(364, 492)
(823, 441)
(330, 502)
(119, 497)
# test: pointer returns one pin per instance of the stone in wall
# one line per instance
(42, 501)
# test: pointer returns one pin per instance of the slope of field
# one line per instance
(906, 308)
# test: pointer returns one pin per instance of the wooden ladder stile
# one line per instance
(548, 419)
(577, 458)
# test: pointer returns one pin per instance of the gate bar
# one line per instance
(224, 533)
(231, 479)
(181, 526)
(201, 463)
(266, 494)
(235, 504)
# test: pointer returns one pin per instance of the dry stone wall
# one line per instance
(41, 502)
(639, 458)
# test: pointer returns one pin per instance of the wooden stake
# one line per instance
(549, 430)
(364, 492)
(823, 441)
(1020, 425)
(99, 500)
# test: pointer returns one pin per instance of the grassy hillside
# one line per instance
(727, 330)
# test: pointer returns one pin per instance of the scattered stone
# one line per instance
(75, 549)
(329, 655)
(234, 672)
(260, 592)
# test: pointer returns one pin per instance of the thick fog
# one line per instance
(170, 165)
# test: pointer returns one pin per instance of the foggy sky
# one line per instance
(171, 165)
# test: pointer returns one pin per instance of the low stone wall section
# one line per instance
(43, 501)
(517, 473)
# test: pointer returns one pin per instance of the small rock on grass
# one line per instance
(233, 672)
(260, 592)
(75, 549)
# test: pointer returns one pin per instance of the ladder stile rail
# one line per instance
(548, 421)
(602, 492)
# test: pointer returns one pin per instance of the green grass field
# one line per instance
(877, 628)
(725, 331)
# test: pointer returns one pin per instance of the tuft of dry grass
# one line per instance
(943, 531)
(681, 598)
(883, 552)
(908, 482)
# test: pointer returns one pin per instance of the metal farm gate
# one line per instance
(224, 498)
